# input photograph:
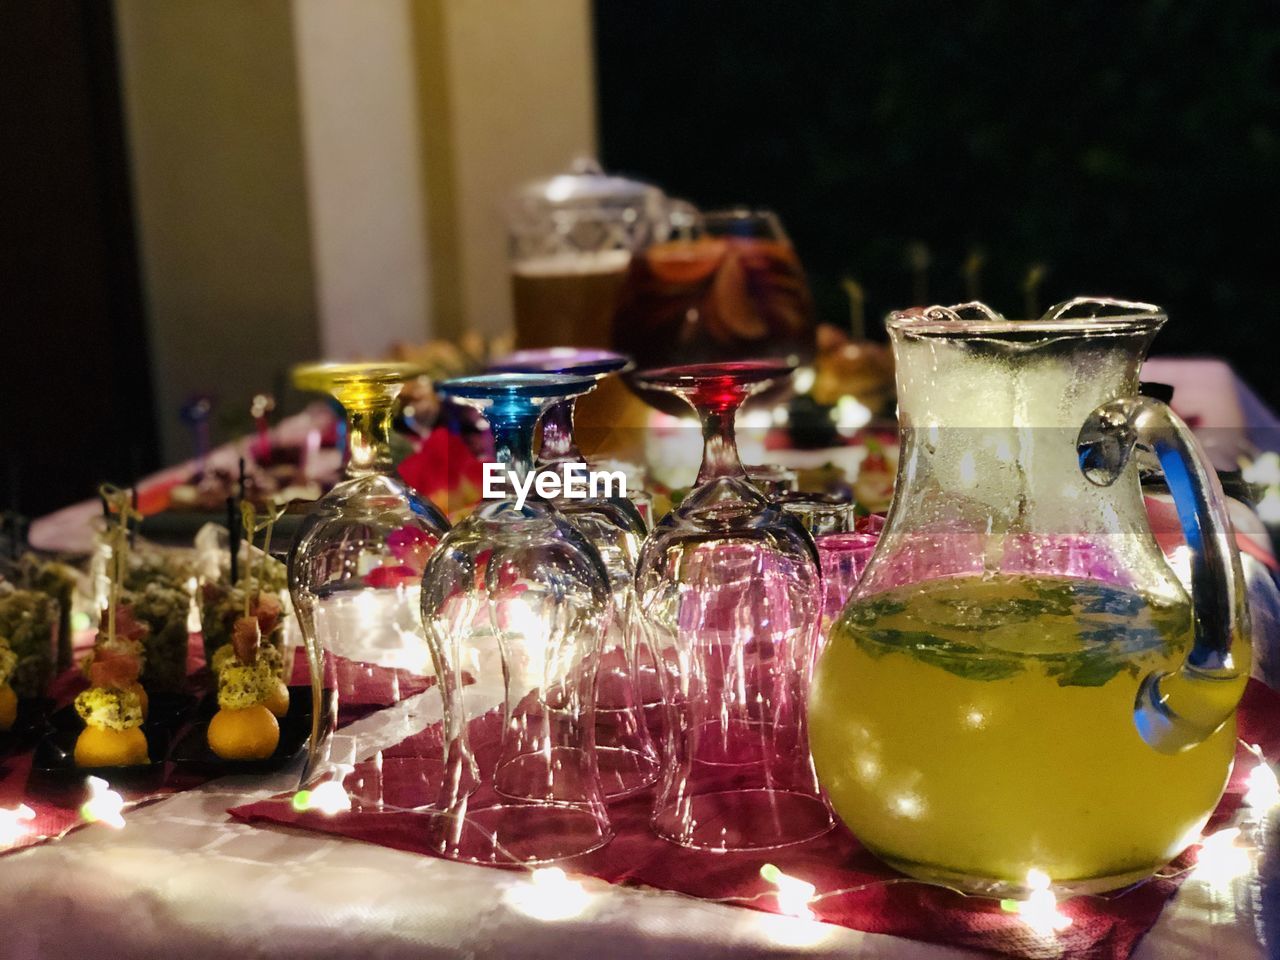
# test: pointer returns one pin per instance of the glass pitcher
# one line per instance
(1019, 686)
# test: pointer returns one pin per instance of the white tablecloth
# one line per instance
(183, 880)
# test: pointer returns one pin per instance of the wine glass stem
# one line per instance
(369, 440)
(513, 442)
(558, 444)
(719, 445)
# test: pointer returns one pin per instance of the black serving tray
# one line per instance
(191, 752)
(27, 727)
(55, 763)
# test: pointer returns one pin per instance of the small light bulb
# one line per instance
(793, 894)
(15, 824)
(549, 894)
(1039, 910)
(1263, 791)
(1219, 862)
(104, 805)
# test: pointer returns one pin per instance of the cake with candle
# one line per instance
(259, 591)
(222, 606)
(118, 657)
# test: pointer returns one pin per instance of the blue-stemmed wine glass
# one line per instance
(516, 597)
(628, 692)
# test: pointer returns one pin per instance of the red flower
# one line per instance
(444, 470)
(391, 576)
(411, 546)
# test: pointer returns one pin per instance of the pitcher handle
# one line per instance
(1175, 711)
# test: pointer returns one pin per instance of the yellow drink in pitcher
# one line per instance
(970, 729)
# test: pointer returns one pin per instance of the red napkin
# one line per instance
(51, 820)
(363, 688)
(876, 899)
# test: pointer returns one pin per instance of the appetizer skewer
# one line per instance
(251, 692)
(114, 707)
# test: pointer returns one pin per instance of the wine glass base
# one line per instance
(624, 772)
(743, 820)
(560, 775)
(517, 834)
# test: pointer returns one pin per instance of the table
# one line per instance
(182, 879)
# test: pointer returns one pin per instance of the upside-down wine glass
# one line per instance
(357, 559)
(628, 693)
(516, 597)
(729, 593)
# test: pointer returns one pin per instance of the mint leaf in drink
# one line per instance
(1114, 602)
(1089, 669)
(964, 613)
(963, 660)
(866, 612)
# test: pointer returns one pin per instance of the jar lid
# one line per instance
(586, 184)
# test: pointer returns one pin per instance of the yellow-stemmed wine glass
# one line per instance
(356, 563)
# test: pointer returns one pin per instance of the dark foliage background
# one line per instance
(1130, 148)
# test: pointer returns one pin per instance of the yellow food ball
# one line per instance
(278, 700)
(8, 707)
(250, 733)
(143, 699)
(101, 747)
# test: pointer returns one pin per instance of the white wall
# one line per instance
(322, 177)
(508, 95)
(212, 112)
(358, 87)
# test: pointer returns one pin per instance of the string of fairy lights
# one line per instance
(548, 894)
